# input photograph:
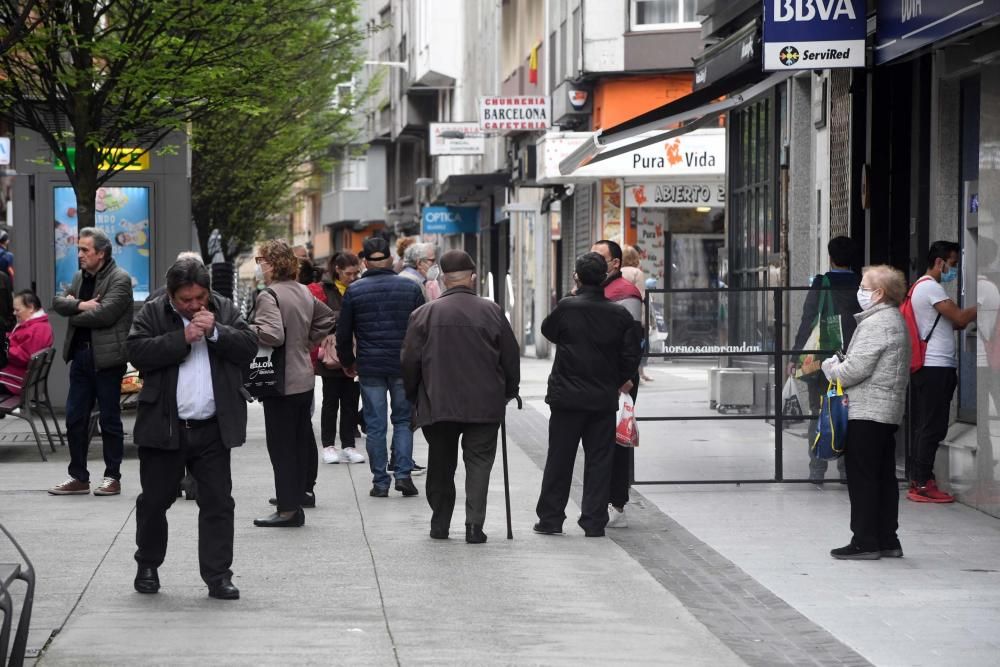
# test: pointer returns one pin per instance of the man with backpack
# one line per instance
(932, 317)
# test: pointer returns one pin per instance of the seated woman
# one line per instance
(32, 334)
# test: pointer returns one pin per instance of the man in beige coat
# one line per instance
(460, 365)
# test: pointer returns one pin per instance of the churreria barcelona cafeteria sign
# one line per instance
(514, 112)
(814, 34)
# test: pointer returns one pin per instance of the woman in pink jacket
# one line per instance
(32, 334)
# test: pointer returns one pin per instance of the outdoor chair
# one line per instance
(41, 397)
(22, 405)
(9, 573)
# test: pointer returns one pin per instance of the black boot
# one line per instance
(474, 533)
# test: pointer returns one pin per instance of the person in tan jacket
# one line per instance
(287, 314)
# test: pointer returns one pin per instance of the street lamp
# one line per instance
(388, 63)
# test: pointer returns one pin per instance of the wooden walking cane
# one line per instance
(506, 481)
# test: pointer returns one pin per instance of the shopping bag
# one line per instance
(831, 432)
(827, 333)
(627, 432)
(793, 396)
(264, 376)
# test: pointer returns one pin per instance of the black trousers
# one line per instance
(340, 394)
(290, 444)
(479, 450)
(871, 484)
(933, 388)
(160, 471)
(566, 429)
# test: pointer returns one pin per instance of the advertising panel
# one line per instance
(906, 25)
(450, 220)
(456, 139)
(814, 34)
(514, 112)
(122, 214)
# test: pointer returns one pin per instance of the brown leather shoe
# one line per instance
(71, 487)
(109, 487)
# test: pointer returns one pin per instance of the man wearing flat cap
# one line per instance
(460, 367)
(375, 312)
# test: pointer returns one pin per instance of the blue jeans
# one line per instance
(374, 392)
(87, 385)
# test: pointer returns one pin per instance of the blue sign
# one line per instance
(814, 34)
(907, 25)
(122, 214)
(451, 220)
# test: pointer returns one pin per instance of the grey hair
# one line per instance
(890, 280)
(102, 243)
(417, 252)
(190, 254)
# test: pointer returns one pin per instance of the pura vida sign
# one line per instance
(814, 34)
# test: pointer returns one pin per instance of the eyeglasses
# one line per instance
(260, 260)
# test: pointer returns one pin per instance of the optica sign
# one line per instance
(814, 34)
(450, 220)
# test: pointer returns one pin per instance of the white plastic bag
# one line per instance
(627, 431)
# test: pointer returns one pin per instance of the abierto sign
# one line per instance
(456, 139)
(710, 192)
(514, 113)
(814, 34)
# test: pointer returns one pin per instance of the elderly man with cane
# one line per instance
(460, 365)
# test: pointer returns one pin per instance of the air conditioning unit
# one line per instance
(735, 391)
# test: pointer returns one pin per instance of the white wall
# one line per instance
(604, 25)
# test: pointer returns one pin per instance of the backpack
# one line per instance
(918, 345)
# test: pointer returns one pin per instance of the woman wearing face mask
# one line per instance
(875, 373)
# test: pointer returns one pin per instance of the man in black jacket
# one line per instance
(832, 293)
(190, 346)
(598, 353)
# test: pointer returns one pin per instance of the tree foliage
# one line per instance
(245, 162)
(98, 75)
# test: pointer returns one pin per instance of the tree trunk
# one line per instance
(86, 185)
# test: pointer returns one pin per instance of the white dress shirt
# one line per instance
(195, 394)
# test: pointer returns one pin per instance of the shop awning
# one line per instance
(471, 188)
(696, 109)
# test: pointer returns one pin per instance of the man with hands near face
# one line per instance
(190, 345)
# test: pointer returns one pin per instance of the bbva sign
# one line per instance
(808, 10)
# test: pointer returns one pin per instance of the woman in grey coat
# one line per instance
(874, 374)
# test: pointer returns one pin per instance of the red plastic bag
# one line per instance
(627, 431)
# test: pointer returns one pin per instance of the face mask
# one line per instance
(434, 272)
(949, 275)
(865, 299)
(258, 274)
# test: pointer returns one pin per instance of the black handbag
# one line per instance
(265, 375)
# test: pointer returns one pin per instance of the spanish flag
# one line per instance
(533, 65)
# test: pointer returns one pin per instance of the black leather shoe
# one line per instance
(542, 529)
(474, 533)
(379, 492)
(406, 487)
(224, 590)
(277, 521)
(147, 580)
(308, 500)
(438, 533)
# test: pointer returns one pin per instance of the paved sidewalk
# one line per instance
(361, 583)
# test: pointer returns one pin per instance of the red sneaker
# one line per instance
(929, 493)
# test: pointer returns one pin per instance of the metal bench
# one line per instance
(10, 573)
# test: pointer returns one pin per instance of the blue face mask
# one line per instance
(949, 275)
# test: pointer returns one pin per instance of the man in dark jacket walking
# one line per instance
(375, 312)
(191, 346)
(98, 306)
(461, 364)
(598, 353)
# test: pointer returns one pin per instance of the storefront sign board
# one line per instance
(814, 34)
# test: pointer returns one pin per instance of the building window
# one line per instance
(663, 14)
(353, 173)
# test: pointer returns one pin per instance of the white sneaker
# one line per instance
(352, 455)
(616, 518)
(331, 455)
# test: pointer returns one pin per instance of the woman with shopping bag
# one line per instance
(874, 373)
